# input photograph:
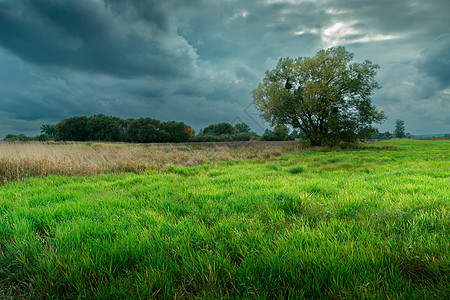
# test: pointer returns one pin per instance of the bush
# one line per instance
(17, 138)
(280, 133)
(220, 129)
(270, 136)
(209, 138)
(237, 137)
(244, 136)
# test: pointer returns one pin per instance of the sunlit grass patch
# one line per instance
(297, 169)
(236, 229)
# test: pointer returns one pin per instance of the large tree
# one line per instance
(104, 128)
(326, 97)
(72, 129)
(143, 130)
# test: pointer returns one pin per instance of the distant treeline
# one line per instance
(376, 135)
(146, 130)
(225, 132)
(113, 129)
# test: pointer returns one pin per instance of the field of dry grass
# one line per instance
(31, 159)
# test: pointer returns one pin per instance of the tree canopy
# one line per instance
(220, 129)
(280, 133)
(326, 97)
(399, 131)
(225, 132)
(242, 127)
(114, 129)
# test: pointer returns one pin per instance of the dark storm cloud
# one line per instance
(249, 30)
(85, 35)
(435, 60)
(197, 61)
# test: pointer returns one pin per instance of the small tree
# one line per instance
(399, 131)
(190, 133)
(326, 97)
(48, 129)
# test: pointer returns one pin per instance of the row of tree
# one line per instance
(225, 132)
(114, 129)
(147, 130)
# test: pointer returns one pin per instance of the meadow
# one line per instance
(20, 160)
(210, 223)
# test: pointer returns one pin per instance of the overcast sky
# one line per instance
(197, 61)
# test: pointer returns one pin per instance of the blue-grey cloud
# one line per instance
(86, 36)
(435, 60)
(197, 61)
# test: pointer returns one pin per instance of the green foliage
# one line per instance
(280, 133)
(176, 131)
(270, 136)
(44, 138)
(399, 131)
(23, 138)
(73, 129)
(244, 136)
(17, 138)
(211, 138)
(143, 130)
(220, 129)
(360, 223)
(104, 128)
(242, 127)
(48, 129)
(225, 132)
(113, 129)
(381, 135)
(296, 134)
(326, 97)
(241, 136)
(297, 170)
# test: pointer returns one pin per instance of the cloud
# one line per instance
(92, 37)
(435, 60)
(197, 61)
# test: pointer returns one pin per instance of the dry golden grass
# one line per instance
(22, 160)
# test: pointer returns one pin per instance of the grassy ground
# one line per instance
(23, 160)
(367, 223)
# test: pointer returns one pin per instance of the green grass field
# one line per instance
(361, 223)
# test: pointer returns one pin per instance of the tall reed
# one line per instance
(23, 160)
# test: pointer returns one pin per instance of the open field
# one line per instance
(273, 223)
